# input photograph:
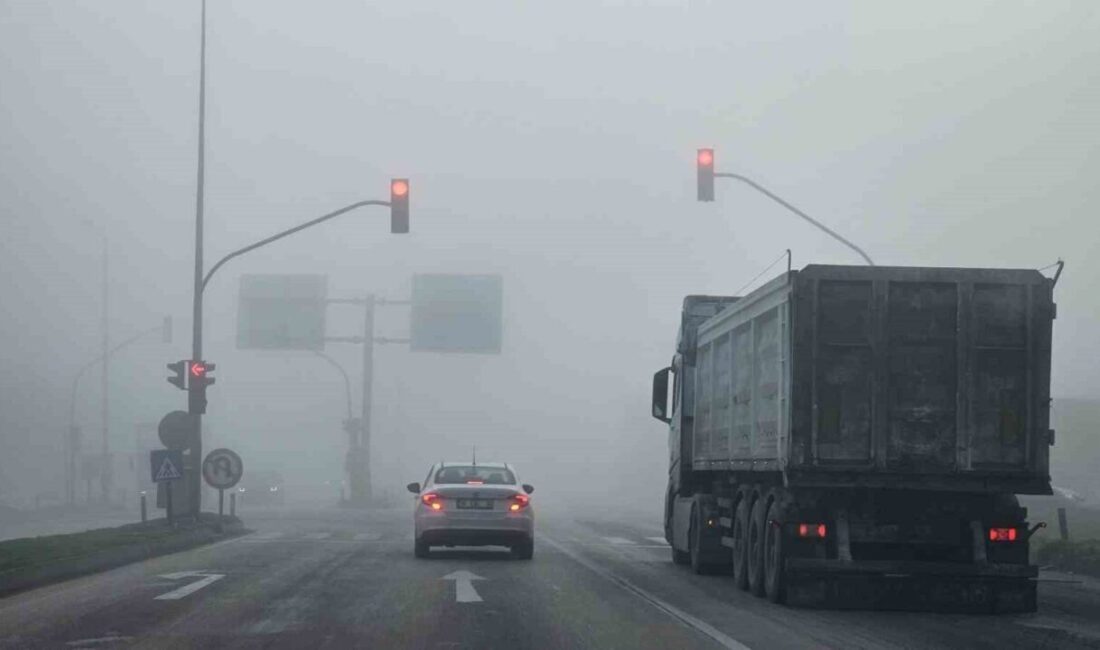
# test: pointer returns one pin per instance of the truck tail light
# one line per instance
(1002, 534)
(432, 500)
(812, 531)
(518, 502)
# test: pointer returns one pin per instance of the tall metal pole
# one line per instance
(361, 481)
(104, 383)
(196, 315)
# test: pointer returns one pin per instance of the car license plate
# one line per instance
(475, 504)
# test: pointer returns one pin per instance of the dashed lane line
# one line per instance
(619, 541)
(680, 615)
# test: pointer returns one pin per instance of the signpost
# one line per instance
(222, 469)
(166, 466)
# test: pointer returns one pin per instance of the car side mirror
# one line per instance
(413, 487)
(660, 395)
(528, 488)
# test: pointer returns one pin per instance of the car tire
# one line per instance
(756, 547)
(421, 549)
(740, 534)
(524, 550)
(775, 575)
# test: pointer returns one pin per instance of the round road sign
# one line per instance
(222, 469)
(177, 430)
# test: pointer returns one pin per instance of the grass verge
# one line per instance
(36, 561)
(1076, 557)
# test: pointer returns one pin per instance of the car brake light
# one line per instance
(519, 502)
(432, 500)
(475, 482)
(812, 530)
(1002, 534)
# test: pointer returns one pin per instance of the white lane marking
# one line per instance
(619, 541)
(367, 537)
(318, 535)
(688, 620)
(660, 540)
(99, 641)
(187, 590)
(464, 586)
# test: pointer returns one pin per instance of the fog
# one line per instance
(551, 143)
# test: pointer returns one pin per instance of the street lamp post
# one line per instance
(73, 441)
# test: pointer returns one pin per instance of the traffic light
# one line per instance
(180, 378)
(704, 167)
(200, 378)
(399, 205)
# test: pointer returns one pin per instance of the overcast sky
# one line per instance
(550, 142)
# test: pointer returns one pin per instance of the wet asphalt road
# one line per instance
(330, 578)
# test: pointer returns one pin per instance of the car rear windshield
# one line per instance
(475, 475)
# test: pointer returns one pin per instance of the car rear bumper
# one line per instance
(469, 537)
(461, 530)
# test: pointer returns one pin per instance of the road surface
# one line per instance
(331, 578)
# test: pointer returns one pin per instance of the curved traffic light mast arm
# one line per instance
(285, 233)
(90, 364)
(347, 382)
(766, 192)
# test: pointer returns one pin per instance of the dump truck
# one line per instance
(856, 436)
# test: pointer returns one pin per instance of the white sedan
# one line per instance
(466, 504)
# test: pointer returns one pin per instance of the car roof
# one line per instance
(472, 464)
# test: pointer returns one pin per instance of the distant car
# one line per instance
(463, 504)
(262, 488)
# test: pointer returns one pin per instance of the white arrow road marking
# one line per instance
(186, 590)
(464, 586)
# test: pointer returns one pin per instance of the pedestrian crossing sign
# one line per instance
(167, 464)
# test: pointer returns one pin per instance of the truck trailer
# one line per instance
(856, 436)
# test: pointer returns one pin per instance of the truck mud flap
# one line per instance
(913, 593)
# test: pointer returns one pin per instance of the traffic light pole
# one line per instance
(753, 184)
(399, 223)
(193, 471)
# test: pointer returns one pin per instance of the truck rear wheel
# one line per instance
(694, 542)
(775, 577)
(756, 546)
(740, 534)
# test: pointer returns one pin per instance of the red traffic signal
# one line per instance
(200, 372)
(704, 168)
(399, 205)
